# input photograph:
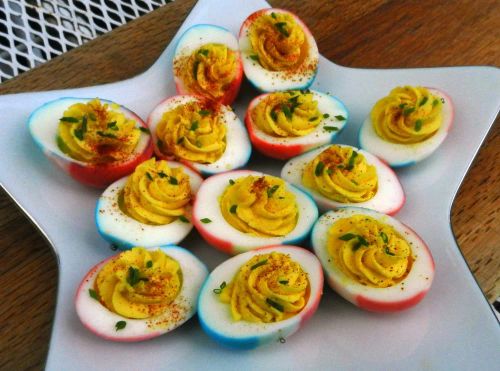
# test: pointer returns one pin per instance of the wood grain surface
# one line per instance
(363, 33)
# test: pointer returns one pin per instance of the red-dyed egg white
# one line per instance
(403, 295)
(105, 323)
(215, 316)
(43, 125)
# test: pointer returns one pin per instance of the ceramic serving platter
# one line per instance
(452, 328)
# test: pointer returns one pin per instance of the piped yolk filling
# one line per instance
(139, 283)
(407, 115)
(341, 174)
(287, 114)
(97, 133)
(192, 132)
(267, 288)
(369, 251)
(156, 193)
(209, 70)
(260, 206)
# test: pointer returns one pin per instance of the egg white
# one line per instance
(266, 80)
(388, 199)
(238, 147)
(327, 104)
(124, 231)
(417, 282)
(207, 206)
(215, 317)
(400, 155)
(101, 321)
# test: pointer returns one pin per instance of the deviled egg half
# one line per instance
(342, 175)
(206, 136)
(408, 125)
(151, 207)
(288, 123)
(243, 210)
(207, 63)
(141, 293)
(373, 260)
(95, 141)
(278, 51)
(260, 297)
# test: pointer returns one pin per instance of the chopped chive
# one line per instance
(120, 325)
(281, 28)
(330, 128)
(221, 287)
(204, 112)
(180, 140)
(402, 105)
(362, 240)
(133, 276)
(231, 181)
(194, 126)
(270, 191)
(275, 305)
(84, 124)
(340, 118)
(112, 125)
(161, 174)
(183, 219)
(435, 102)
(274, 115)
(286, 111)
(203, 51)
(354, 182)
(294, 99)
(329, 171)
(388, 252)
(340, 166)
(254, 57)
(384, 237)
(273, 14)
(283, 282)
(313, 118)
(418, 125)
(257, 265)
(173, 180)
(347, 237)
(407, 111)
(106, 135)
(149, 264)
(319, 168)
(350, 164)
(205, 220)
(326, 115)
(78, 133)
(144, 130)
(149, 176)
(356, 246)
(93, 294)
(233, 208)
(423, 101)
(195, 70)
(442, 100)
(68, 119)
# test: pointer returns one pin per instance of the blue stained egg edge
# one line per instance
(195, 27)
(307, 233)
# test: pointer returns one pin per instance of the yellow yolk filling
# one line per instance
(260, 206)
(268, 288)
(209, 70)
(368, 251)
(139, 283)
(341, 174)
(96, 132)
(278, 42)
(289, 114)
(156, 194)
(192, 133)
(407, 115)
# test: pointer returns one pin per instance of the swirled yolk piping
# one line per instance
(407, 115)
(369, 251)
(156, 194)
(341, 174)
(260, 206)
(278, 41)
(267, 288)
(139, 283)
(208, 71)
(97, 133)
(287, 114)
(191, 132)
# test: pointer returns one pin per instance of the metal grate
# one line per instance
(35, 31)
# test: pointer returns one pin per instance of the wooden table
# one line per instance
(362, 33)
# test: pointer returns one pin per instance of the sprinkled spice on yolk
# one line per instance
(97, 133)
(267, 288)
(260, 206)
(407, 115)
(156, 193)
(139, 283)
(278, 42)
(287, 114)
(368, 251)
(208, 71)
(191, 132)
(341, 174)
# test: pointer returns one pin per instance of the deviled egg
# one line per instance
(207, 63)
(278, 51)
(243, 210)
(408, 125)
(208, 137)
(141, 293)
(342, 175)
(261, 296)
(373, 260)
(151, 207)
(96, 141)
(286, 124)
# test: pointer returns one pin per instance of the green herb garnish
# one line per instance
(93, 294)
(418, 125)
(133, 276)
(388, 252)
(329, 171)
(204, 112)
(161, 174)
(402, 105)
(313, 118)
(326, 115)
(233, 208)
(120, 325)
(195, 70)
(257, 265)
(205, 220)
(194, 126)
(340, 118)
(144, 130)
(283, 282)
(203, 51)
(384, 237)
(319, 168)
(68, 119)
(183, 219)
(270, 191)
(149, 264)
(347, 237)
(423, 101)
(330, 128)
(112, 125)
(254, 57)
(435, 102)
(78, 133)
(273, 14)
(350, 164)
(231, 181)
(173, 180)
(407, 111)
(106, 135)
(274, 115)
(149, 176)
(275, 305)
(221, 287)
(286, 111)
(281, 28)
